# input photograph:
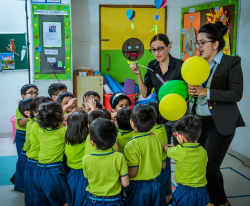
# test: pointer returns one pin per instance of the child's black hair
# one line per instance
(116, 98)
(77, 130)
(107, 114)
(98, 113)
(190, 127)
(103, 133)
(55, 88)
(95, 94)
(123, 118)
(144, 117)
(159, 119)
(64, 94)
(98, 105)
(36, 103)
(24, 105)
(26, 87)
(50, 115)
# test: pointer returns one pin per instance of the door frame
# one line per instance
(123, 6)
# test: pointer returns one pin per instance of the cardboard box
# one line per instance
(89, 71)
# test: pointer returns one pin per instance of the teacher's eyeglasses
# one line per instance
(159, 49)
(176, 134)
(201, 44)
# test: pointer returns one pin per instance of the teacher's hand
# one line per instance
(197, 90)
(135, 68)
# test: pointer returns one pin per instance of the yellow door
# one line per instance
(119, 43)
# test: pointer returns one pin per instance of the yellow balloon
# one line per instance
(195, 70)
(173, 107)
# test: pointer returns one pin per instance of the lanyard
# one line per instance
(211, 72)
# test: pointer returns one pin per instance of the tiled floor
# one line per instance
(236, 177)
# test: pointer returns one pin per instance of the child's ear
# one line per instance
(23, 96)
(91, 142)
(132, 124)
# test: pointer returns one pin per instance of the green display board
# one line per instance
(19, 42)
(231, 6)
(42, 14)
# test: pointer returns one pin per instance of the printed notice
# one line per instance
(51, 51)
(50, 12)
(51, 60)
(217, 8)
(191, 18)
(191, 10)
(52, 34)
(183, 31)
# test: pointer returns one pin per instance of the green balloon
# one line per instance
(173, 87)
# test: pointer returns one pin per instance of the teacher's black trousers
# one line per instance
(216, 146)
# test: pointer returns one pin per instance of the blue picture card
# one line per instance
(7, 61)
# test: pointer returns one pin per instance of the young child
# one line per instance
(27, 90)
(125, 131)
(56, 89)
(99, 113)
(191, 161)
(145, 159)
(109, 171)
(50, 177)
(75, 138)
(119, 101)
(160, 132)
(23, 107)
(33, 151)
(68, 102)
(91, 95)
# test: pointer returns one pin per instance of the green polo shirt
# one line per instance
(124, 136)
(74, 155)
(34, 150)
(145, 152)
(89, 149)
(19, 116)
(27, 143)
(191, 162)
(160, 132)
(52, 144)
(104, 175)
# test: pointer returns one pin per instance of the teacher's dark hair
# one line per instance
(215, 32)
(160, 37)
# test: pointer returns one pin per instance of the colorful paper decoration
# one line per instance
(12, 47)
(23, 52)
(131, 15)
(39, 48)
(7, 61)
(190, 47)
(156, 17)
(159, 4)
(220, 15)
(133, 49)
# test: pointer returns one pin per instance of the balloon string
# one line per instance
(192, 95)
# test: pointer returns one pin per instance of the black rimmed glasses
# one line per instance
(159, 49)
(31, 93)
(201, 44)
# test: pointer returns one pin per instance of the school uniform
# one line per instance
(165, 176)
(20, 133)
(75, 179)
(32, 159)
(145, 152)
(123, 137)
(190, 174)
(104, 177)
(89, 149)
(50, 177)
(22, 160)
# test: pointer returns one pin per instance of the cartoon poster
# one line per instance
(7, 61)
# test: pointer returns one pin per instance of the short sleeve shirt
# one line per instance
(104, 175)
(74, 155)
(145, 152)
(89, 149)
(19, 116)
(173, 73)
(27, 143)
(52, 144)
(160, 132)
(191, 160)
(34, 150)
(123, 137)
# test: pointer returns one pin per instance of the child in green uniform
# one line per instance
(109, 172)
(22, 158)
(99, 113)
(33, 151)
(191, 161)
(125, 131)
(56, 89)
(145, 159)
(50, 177)
(68, 102)
(75, 138)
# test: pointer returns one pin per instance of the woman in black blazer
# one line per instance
(217, 104)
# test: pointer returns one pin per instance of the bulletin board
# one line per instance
(52, 41)
(195, 16)
(20, 60)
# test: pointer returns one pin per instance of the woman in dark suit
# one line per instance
(217, 104)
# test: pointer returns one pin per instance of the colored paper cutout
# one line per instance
(132, 26)
(39, 48)
(129, 14)
(23, 52)
(158, 3)
(12, 47)
(164, 3)
(59, 64)
(155, 28)
(7, 61)
(55, 65)
(156, 17)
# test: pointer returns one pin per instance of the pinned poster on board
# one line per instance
(46, 1)
(52, 34)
